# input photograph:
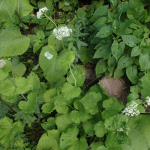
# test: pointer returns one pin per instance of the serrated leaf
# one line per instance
(79, 116)
(63, 122)
(88, 127)
(49, 140)
(12, 42)
(131, 72)
(70, 91)
(49, 95)
(50, 124)
(89, 102)
(135, 51)
(99, 129)
(104, 32)
(124, 61)
(48, 107)
(29, 106)
(129, 40)
(56, 67)
(144, 61)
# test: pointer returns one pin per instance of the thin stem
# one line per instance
(50, 20)
(23, 97)
(72, 75)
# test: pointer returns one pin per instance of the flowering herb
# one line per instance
(66, 3)
(131, 110)
(41, 11)
(48, 55)
(62, 32)
(2, 63)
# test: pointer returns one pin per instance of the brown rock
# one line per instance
(115, 87)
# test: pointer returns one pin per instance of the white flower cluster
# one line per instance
(66, 3)
(62, 32)
(48, 55)
(120, 130)
(41, 11)
(2, 63)
(132, 109)
(148, 101)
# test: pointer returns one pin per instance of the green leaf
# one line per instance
(99, 129)
(48, 107)
(98, 146)
(88, 127)
(12, 42)
(124, 61)
(4, 71)
(131, 72)
(70, 91)
(58, 65)
(49, 95)
(29, 106)
(79, 116)
(49, 140)
(129, 40)
(89, 102)
(112, 107)
(36, 47)
(7, 8)
(63, 122)
(81, 44)
(135, 51)
(139, 133)
(40, 35)
(101, 67)
(103, 51)
(100, 21)
(118, 73)
(61, 104)
(117, 49)
(104, 32)
(78, 72)
(144, 61)
(24, 7)
(54, 42)
(50, 124)
(8, 130)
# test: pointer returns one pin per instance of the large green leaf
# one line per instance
(131, 72)
(29, 106)
(24, 7)
(8, 130)
(89, 102)
(12, 42)
(49, 140)
(7, 9)
(58, 65)
(129, 40)
(144, 61)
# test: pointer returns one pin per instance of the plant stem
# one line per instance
(72, 75)
(50, 20)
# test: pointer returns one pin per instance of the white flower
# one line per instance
(66, 3)
(132, 110)
(148, 101)
(62, 32)
(41, 11)
(120, 129)
(48, 55)
(2, 63)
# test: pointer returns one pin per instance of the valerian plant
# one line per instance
(43, 100)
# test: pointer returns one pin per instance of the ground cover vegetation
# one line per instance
(44, 45)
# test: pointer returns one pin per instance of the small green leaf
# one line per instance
(118, 73)
(99, 129)
(70, 91)
(29, 106)
(48, 107)
(40, 35)
(88, 127)
(49, 95)
(104, 32)
(50, 124)
(131, 72)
